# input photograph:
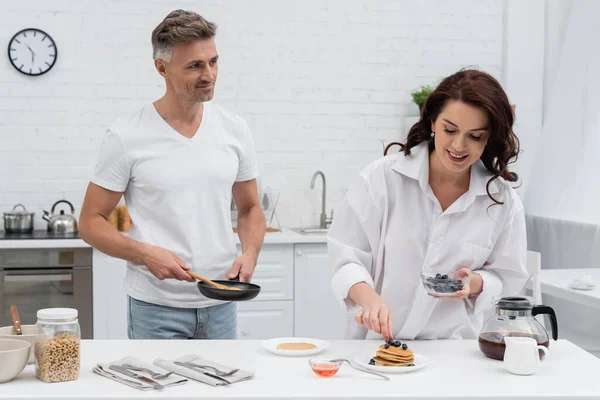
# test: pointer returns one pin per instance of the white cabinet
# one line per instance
(110, 300)
(271, 313)
(265, 319)
(316, 313)
(274, 272)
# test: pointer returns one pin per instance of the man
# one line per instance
(178, 161)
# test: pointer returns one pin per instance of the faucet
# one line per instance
(325, 221)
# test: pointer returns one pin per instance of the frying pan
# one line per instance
(247, 291)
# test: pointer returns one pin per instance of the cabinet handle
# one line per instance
(299, 253)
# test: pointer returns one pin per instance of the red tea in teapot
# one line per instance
(492, 343)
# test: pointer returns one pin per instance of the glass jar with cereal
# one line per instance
(57, 345)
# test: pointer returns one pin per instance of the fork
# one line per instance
(202, 371)
(218, 372)
(154, 375)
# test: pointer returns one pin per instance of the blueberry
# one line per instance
(438, 276)
(371, 362)
(444, 276)
(404, 346)
(386, 346)
(411, 365)
(391, 342)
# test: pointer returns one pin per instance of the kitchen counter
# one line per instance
(556, 282)
(457, 370)
(285, 236)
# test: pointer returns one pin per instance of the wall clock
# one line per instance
(32, 51)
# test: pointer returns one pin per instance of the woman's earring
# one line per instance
(432, 133)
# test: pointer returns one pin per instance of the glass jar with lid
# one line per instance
(57, 345)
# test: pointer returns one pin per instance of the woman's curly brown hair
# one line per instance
(481, 90)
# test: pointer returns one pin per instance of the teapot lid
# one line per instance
(515, 303)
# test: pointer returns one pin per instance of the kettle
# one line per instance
(61, 223)
(515, 316)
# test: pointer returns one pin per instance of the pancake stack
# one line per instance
(394, 354)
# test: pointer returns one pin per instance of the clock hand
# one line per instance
(32, 53)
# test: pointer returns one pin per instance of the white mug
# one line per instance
(521, 356)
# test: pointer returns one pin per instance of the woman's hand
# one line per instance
(376, 316)
(472, 284)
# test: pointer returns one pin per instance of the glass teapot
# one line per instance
(515, 316)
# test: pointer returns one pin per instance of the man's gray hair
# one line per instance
(179, 27)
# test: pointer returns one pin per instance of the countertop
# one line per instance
(285, 236)
(557, 282)
(457, 370)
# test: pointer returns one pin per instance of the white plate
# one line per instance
(271, 345)
(591, 287)
(420, 362)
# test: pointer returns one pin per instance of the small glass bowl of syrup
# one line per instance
(324, 368)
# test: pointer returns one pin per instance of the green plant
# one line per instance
(419, 96)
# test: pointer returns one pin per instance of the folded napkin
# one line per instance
(203, 374)
(104, 370)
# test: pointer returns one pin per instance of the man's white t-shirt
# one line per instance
(178, 193)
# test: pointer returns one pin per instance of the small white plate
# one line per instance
(420, 362)
(587, 287)
(271, 346)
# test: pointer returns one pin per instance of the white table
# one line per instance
(556, 282)
(457, 370)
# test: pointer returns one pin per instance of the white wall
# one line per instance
(557, 16)
(320, 83)
(523, 77)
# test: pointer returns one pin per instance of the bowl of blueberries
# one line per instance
(441, 285)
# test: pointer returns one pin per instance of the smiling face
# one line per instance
(192, 70)
(461, 133)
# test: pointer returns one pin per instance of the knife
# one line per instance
(182, 364)
(127, 372)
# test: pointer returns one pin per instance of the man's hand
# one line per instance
(165, 264)
(243, 266)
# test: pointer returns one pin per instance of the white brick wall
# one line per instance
(321, 84)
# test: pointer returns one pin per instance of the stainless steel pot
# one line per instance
(18, 221)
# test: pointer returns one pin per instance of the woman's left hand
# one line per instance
(471, 282)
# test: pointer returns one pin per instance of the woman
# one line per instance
(443, 204)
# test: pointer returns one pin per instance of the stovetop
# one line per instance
(37, 235)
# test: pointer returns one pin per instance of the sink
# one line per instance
(313, 231)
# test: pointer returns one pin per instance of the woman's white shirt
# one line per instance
(390, 225)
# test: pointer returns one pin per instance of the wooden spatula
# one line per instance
(211, 283)
(16, 321)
